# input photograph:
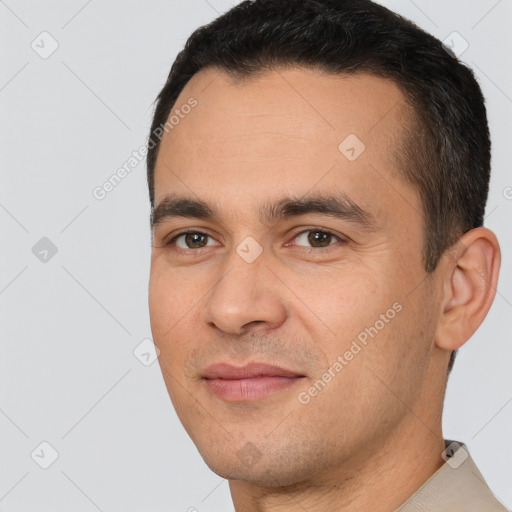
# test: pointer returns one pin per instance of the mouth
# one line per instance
(250, 382)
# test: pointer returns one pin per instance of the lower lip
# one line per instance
(241, 390)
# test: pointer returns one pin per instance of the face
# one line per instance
(287, 294)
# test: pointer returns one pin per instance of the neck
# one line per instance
(380, 479)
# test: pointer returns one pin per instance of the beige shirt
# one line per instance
(457, 486)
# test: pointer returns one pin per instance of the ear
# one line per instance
(469, 286)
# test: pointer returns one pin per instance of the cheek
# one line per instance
(344, 301)
(162, 303)
(368, 316)
(172, 294)
(171, 302)
(170, 305)
(383, 339)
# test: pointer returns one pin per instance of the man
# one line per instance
(318, 173)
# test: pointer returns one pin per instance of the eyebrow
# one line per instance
(339, 206)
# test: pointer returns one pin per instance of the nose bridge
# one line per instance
(243, 294)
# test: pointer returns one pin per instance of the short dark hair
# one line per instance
(446, 154)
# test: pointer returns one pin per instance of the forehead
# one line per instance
(288, 131)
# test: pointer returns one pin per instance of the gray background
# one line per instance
(70, 322)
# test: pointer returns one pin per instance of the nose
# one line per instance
(246, 296)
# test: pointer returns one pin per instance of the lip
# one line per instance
(248, 371)
(250, 382)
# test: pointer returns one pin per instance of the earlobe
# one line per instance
(470, 280)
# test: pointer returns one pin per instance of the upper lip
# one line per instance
(250, 370)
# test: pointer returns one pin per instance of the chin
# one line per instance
(259, 469)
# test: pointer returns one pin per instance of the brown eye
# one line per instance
(195, 240)
(316, 238)
(190, 240)
(319, 237)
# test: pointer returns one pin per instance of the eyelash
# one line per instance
(308, 250)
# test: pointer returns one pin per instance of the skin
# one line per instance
(372, 435)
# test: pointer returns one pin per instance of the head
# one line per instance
(343, 118)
